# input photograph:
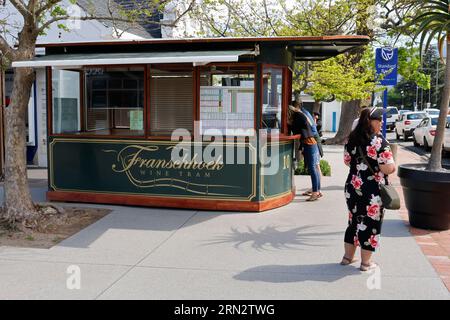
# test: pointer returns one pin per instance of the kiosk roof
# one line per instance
(302, 48)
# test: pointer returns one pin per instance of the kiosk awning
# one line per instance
(85, 59)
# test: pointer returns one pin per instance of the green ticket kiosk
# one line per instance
(186, 123)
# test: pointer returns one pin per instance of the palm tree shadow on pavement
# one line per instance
(272, 237)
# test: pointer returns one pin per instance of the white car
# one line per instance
(425, 132)
(432, 112)
(447, 138)
(407, 122)
(392, 116)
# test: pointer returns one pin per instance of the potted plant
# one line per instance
(427, 187)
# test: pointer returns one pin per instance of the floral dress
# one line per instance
(362, 192)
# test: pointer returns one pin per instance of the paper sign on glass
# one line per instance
(136, 120)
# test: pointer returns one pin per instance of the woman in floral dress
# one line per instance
(362, 188)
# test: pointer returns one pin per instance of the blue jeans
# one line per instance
(312, 160)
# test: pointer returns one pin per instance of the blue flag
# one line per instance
(387, 64)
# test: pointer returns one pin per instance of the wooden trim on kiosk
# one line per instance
(49, 102)
(286, 101)
(284, 95)
(196, 93)
(147, 88)
(83, 124)
(170, 202)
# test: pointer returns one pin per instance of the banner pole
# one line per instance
(385, 105)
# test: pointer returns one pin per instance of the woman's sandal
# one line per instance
(368, 267)
(314, 197)
(347, 261)
(309, 194)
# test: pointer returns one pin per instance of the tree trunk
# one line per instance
(316, 107)
(435, 163)
(18, 205)
(349, 112)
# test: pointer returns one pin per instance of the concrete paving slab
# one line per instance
(267, 283)
(122, 238)
(45, 280)
(241, 241)
(237, 241)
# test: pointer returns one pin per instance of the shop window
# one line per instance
(66, 101)
(272, 99)
(115, 101)
(171, 100)
(227, 100)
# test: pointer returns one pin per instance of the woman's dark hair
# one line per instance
(363, 131)
(296, 103)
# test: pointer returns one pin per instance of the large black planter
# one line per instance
(427, 196)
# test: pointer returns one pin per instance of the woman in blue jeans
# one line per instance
(301, 126)
(312, 161)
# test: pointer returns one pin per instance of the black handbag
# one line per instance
(388, 194)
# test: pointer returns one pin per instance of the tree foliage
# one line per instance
(300, 18)
(341, 79)
(410, 67)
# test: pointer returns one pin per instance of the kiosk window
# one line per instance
(115, 101)
(272, 98)
(66, 101)
(171, 100)
(227, 100)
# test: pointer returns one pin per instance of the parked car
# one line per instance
(403, 111)
(425, 132)
(407, 122)
(392, 118)
(447, 137)
(432, 112)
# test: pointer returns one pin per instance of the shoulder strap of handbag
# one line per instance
(365, 160)
(307, 118)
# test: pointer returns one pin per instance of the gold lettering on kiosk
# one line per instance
(141, 162)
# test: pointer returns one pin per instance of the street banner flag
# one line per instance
(387, 65)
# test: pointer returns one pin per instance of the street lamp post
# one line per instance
(403, 102)
(416, 107)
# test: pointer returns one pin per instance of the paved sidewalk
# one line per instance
(435, 245)
(288, 253)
